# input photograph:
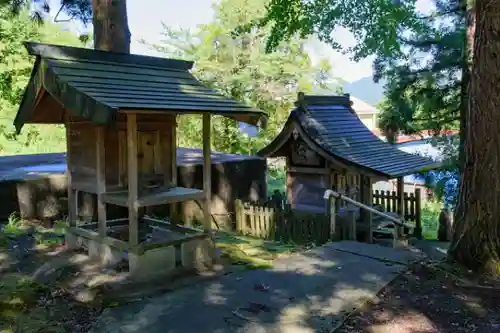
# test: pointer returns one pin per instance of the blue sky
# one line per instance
(146, 23)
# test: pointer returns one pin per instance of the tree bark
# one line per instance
(467, 10)
(476, 242)
(111, 31)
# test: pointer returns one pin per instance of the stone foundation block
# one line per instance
(94, 249)
(159, 261)
(110, 256)
(198, 253)
(71, 241)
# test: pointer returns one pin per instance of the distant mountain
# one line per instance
(366, 90)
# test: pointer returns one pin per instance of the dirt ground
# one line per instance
(30, 302)
(428, 300)
(27, 305)
(423, 300)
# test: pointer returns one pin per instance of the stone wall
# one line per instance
(45, 197)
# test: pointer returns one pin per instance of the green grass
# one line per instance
(18, 303)
(14, 228)
(251, 253)
(430, 215)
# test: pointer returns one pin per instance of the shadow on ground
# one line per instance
(428, 300)
(304, 292)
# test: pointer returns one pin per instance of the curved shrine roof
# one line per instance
(333, 128)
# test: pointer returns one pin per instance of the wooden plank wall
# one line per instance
(154, 147)
(341, 181)
(82, 151)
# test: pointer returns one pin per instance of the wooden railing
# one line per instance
(411, 203)
(399, 226)
(281, 224)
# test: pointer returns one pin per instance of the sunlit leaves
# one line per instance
(375, 24)
(239, 67)
(15, 70)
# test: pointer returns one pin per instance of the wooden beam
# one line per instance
(315, 171)
(366, 196)
(133, 207)
(207, 177)
(369, 202)
(400, 188)
(332, 214)
(72, 199)
(101, 179)
(158, 154)
(170, 196)
(173, 164)
(173, 142)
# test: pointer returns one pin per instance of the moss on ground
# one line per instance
(251, 253)
(19, 296)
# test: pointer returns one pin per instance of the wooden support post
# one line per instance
(351, 224)
(133, 211)
(207, 177)
(72, 198)
(239, 217)
(101, 180)
(332, 214)
(369, 202)
(173, 164)
(400, 190)
(366, 196)
(418, 214)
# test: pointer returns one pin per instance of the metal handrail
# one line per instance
(329, 193)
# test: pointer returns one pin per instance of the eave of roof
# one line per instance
(96, 85)
(331, 124)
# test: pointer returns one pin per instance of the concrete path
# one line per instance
(307, 292)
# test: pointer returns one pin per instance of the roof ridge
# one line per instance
(61, 52)
(304, 100)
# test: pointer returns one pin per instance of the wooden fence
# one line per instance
(389, 200)
(281, 224)
(273, 219)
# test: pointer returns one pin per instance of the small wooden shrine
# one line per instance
(328, 147)
(120, 115)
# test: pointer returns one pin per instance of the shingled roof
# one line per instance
(96, 85)
(334, 129)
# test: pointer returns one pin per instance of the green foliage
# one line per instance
(15, 70)
(423, 90)
(14, 227)
(375, 24)
(239, 67)
(276, 175)
(75, 9)
(430, 219)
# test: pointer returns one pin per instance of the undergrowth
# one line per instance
(430, 216)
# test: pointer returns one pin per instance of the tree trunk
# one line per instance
(477, 239)
(111, 32)
(467, 10)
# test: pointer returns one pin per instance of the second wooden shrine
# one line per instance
(326, 146)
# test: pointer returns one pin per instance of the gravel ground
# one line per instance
(427, 300)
